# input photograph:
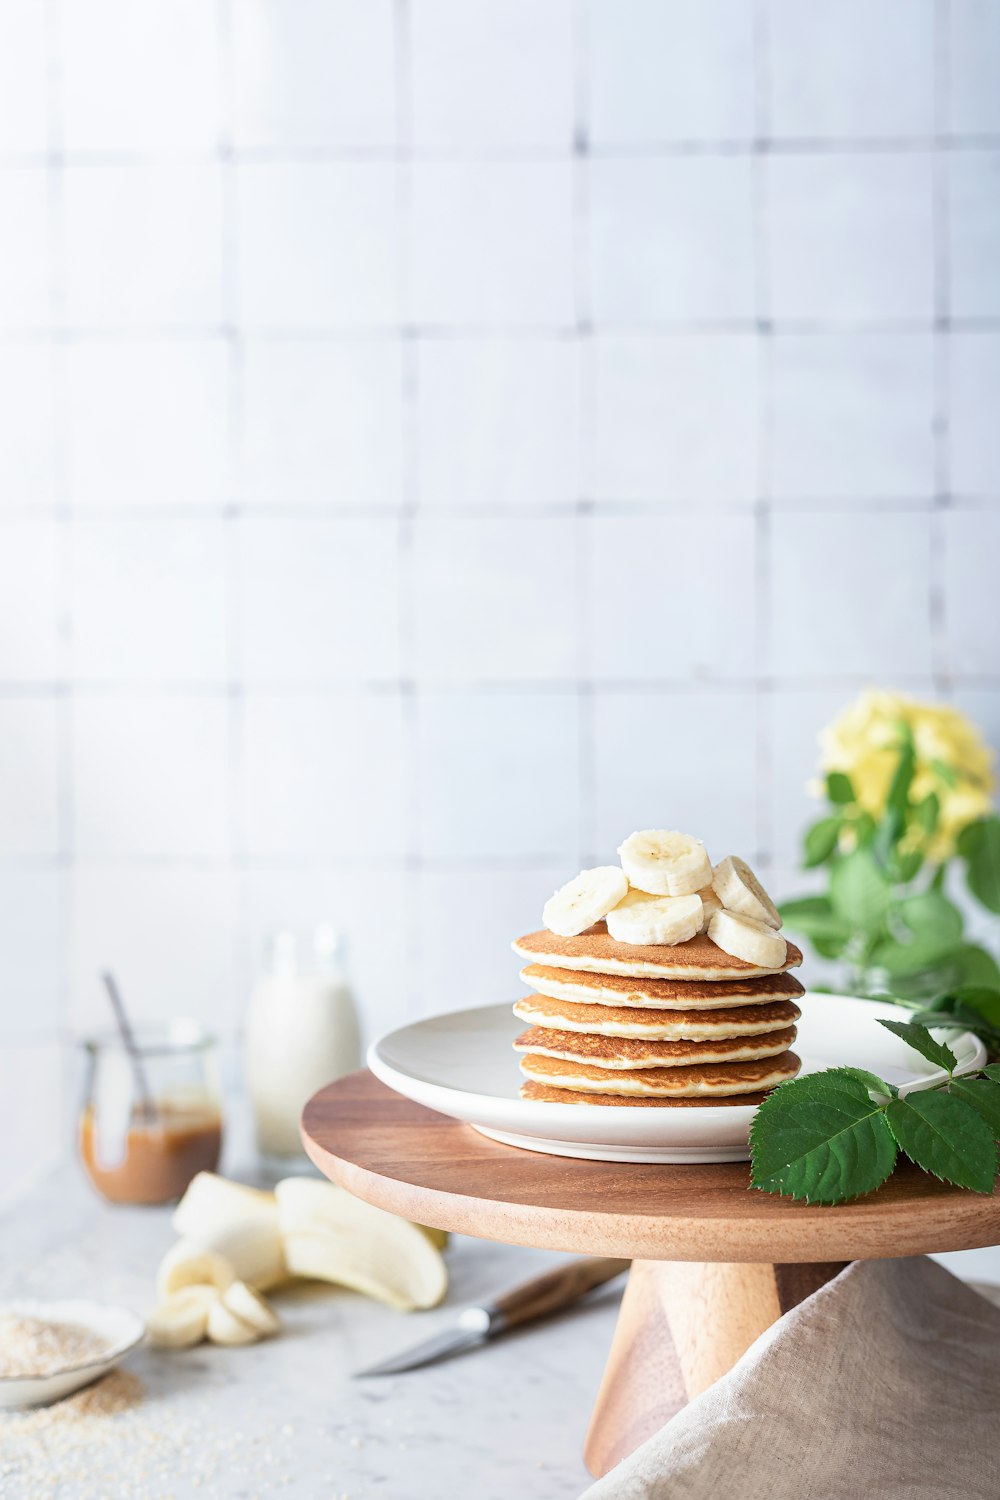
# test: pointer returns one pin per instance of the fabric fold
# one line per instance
(883, 1385)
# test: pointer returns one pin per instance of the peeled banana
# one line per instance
(664, 863)
(655, 919)
(584, 900)
(739, 890)
(239, 1223)
(332, 1236)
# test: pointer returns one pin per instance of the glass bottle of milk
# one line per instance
(302, 1032)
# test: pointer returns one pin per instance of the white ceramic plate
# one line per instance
(120, 1329)
(462, 1064)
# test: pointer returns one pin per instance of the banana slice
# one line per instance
(584, 900)
(739, 890)
(642, 919)
(250, 1307)
(226, 1327)
(744, 937)
(188, 1264)
(663, 863)
(180, 1320)
(710, 904)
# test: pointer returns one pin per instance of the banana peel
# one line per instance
(329, 1235)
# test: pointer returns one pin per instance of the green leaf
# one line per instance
(983, 864)
(992, 1070)
(898, 796)
(982, 1000)
(944, 772)
(931, 912)
(815, 917)
(906, 866)
(820, 841)
(917, 956)
(859, 891)
(920, 1039)
(829, 947)
(969, 838)
(823, 1137)
(984, 1097)
(945, 1136)
(976, 966)
(960, 1018)
(928, 812)
(840, 789)
(864, 827)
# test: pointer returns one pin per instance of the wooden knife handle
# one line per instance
(555, 1289)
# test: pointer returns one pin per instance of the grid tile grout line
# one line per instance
(762, 569)
(942, 314)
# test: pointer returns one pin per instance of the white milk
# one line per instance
(302, 1032)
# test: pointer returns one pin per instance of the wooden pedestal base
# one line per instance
(683, 1324)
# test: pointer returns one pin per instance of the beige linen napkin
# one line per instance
(883, 1385)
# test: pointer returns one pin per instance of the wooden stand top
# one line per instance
(438, 1171)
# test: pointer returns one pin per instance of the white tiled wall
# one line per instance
(439, 435)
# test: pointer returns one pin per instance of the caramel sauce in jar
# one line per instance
(159, 1155)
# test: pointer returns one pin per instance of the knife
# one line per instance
(537, 1298)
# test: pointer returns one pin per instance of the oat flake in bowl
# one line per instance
(48, 1349)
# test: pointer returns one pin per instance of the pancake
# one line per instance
(596, 952)
(667, 1025)
(717, 1080)
(543, 1093)
(651, 994)
(676, 995)
(625, 1052)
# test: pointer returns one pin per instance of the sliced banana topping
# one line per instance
(710, 904)
(744, 937)
(584, 900)
(739, 890)
(643, 919)
(664, 863)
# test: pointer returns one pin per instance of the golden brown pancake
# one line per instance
(717, 1080)
(597, 952)
(671, 994)
(543, 1093)
(625, 1052)
(675, 1025)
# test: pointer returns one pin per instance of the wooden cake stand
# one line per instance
(713, 1263)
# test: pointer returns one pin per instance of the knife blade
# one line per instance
(531, 1300)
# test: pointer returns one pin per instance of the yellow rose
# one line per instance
(863, 742)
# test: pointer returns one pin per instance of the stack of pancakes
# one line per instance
(687, 1024)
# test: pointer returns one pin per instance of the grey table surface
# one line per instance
(285, 1417)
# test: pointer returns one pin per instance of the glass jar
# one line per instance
(151, 1121)
(302, 1032)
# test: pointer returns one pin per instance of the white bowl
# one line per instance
(462, 1065)
(120, 1329)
